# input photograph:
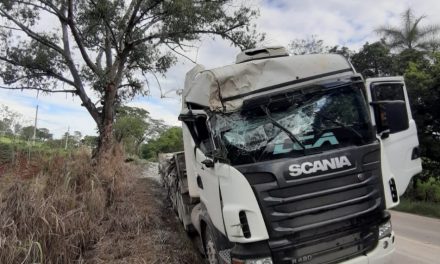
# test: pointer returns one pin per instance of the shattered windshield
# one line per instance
(317, 121)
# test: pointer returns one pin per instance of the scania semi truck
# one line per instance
(291, 159)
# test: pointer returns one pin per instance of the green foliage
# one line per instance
(6, 152)
(428, 191)
(131, 122)
(9, 121)
(344, 51)
(90, 141)
(133, 126)
(373, 60)
(27, 132)
(170, 140)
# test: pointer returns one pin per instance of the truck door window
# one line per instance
(388, 92)
(200, 133)
(396, 114)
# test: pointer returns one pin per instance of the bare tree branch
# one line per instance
(11, 28)
(42, 73)
(178, 53)
(88, 104)
(78, 39)
(164, 36)
(110, 29)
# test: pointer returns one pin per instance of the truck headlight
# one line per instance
(267, 260)
(385, 229)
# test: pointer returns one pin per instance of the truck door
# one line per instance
(206, 170)
(391, 114)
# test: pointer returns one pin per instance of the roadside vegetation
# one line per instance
(59, 206)
(430, 209)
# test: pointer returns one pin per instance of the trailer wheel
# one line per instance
(210, 245)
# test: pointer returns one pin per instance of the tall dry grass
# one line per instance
(53, 213)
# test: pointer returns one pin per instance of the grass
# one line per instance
(66, 209)
(51, 208)
(429, 209)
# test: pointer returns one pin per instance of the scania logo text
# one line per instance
(319, 165)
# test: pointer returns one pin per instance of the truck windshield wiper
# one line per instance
(285, 130)
(346, 127)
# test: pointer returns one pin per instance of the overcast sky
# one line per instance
(337, 22)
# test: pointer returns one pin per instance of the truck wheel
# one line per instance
(210, 244)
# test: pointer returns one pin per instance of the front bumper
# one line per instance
(382, 254)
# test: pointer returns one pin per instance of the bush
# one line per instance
(6, 153)
(428, 190)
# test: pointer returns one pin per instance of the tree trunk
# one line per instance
(106, 139)
(105, 142)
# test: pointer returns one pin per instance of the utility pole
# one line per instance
(67, 137)
(35, 126)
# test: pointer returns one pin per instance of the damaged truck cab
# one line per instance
(292, 159)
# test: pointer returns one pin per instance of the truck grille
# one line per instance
(326, 217)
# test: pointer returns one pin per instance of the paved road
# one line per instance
(417, 239)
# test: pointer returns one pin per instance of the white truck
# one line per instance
(291, 159)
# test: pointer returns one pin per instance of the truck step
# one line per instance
(225, 256)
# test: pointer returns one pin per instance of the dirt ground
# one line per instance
(148, 230)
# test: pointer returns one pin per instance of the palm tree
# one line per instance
(410, 35)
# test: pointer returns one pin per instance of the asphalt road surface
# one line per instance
(417, 239)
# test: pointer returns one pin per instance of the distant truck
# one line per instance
(291, 159)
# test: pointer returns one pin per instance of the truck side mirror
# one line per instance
(209, 163)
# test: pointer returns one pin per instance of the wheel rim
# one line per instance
(211, 252)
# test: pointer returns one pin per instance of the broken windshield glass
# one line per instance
(251, 136)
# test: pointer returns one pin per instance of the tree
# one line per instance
(27, 132)
(344, 51)
(309, 45)
(131, 127)
(410, 35)
(109, 46)
(373, 60)
(9, 121)
(169, 141)
(134, 125)
(43, 134)
(91, 141)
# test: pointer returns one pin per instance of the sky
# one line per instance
(337, 22)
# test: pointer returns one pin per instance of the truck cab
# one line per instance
(293, 159)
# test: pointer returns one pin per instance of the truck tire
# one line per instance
(210, 244)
